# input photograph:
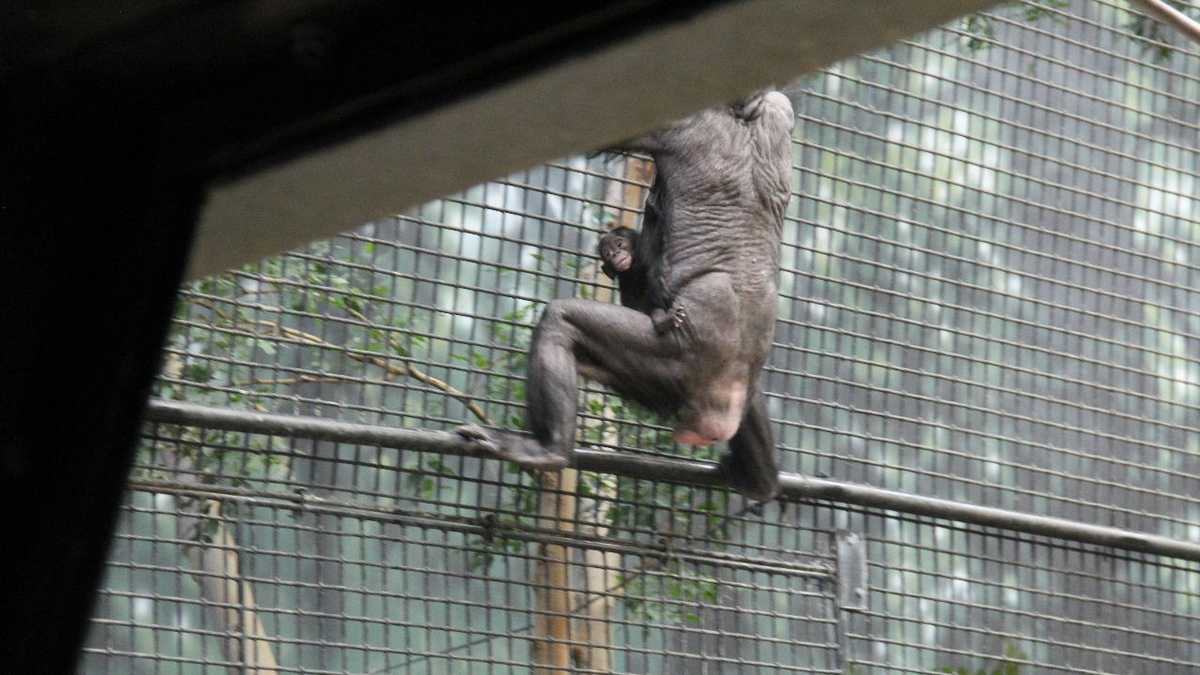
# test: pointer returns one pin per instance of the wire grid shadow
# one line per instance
(988, 295)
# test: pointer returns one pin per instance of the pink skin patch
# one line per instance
(622, 261)
(715, 426)
(687, 437)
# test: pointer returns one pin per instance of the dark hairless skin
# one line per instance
(698, 289)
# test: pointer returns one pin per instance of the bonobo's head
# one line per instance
(616, 249)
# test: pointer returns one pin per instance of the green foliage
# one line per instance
(598, 216)
(489, 546)
(982, 32)
(197, 372)
(1032, 11)
(1009, 665)
(670, 595)
(514, 330)
(1152, 35)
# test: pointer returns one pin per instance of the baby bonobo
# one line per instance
(617, 249)
(698, 289)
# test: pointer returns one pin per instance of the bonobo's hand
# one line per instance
(667, 320)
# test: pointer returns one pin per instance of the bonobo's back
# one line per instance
(723, 182)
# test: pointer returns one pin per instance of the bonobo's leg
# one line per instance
(614, 345)
(750, 465)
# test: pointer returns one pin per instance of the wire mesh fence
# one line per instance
(989, 295)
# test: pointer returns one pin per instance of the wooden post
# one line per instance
(232, 599)
(552, 578)
(573, 627)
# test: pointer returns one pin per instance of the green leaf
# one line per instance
(197, 372)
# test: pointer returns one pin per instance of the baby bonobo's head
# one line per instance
(616, 251)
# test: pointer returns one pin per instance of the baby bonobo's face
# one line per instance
(618, 254)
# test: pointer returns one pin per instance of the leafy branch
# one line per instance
(1150, 33)
(403, 368)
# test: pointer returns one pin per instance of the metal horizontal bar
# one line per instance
(679, 471)
(308, 503)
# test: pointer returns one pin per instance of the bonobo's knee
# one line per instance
(554, 315)
(553, 327)
(761, 486)
(778, 102)
(560, 320)
(768, 103)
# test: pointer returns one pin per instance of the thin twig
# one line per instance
(302, 379)
(465, 398)
(402, 369)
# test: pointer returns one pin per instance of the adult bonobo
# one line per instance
(698, 285)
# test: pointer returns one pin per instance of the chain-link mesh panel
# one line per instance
(988, 295)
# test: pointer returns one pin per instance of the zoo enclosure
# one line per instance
(988, 296)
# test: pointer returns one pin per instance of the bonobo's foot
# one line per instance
(514, 447)
(759, 488)
(667, 320)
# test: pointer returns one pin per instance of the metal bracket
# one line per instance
(851, 571)
(851, 587)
